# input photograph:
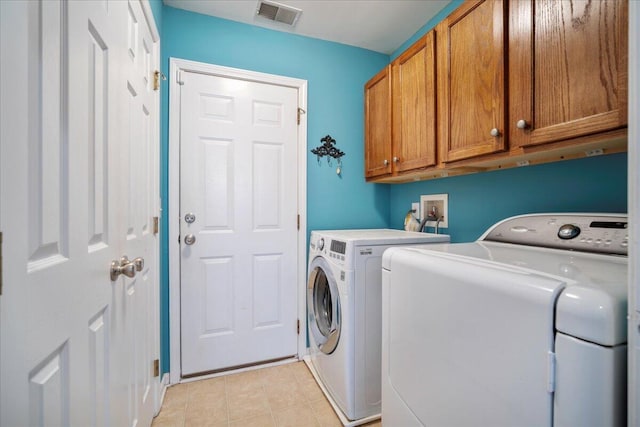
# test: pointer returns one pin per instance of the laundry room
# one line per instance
(279, 267)
(336, 75)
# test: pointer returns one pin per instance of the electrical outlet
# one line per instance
(435, 207)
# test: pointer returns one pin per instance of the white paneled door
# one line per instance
(79, 176)
(238, 222)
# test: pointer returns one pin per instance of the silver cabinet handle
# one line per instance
(495, 132)
(396, 159)
(522, 124)
(189, 239)
(386, 162)
(124, 266)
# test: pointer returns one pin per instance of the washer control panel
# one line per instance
(604, 233)
(333, 249)
(337, 250)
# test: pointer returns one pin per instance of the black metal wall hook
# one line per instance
(328, 149)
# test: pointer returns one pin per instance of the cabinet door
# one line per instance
(377, 124)
(414, 107)
(567, 69)
(471, 80)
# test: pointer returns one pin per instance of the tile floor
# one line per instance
(285, 395)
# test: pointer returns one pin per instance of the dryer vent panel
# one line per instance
(278, 12)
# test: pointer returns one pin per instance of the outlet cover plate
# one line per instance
(441, 202)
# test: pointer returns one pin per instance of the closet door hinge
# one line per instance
(156, 222)
(300, 111)
(157, 76)
(156, 368)
(298, 221)
(179, 77)
(298, 326)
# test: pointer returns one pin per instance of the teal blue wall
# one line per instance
(596, 184)
(336, 75)
(157, 8)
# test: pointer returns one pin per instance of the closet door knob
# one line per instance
(522, 124)
(124, 266)
(386, 162)
(138, 263)
(396, 159)
(495, 132)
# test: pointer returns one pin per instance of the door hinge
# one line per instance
(298, 221)
(157, 76)
(179, 77)
(300, 111)
(298, 326)
(156, 221)
(156, 368)
(0, 262)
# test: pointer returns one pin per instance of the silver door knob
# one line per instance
(396, 159)
(495, 132)
(522, 124)
(189, 218)
(385, 162)
(138, 263)
(189, 239)
(122, 267)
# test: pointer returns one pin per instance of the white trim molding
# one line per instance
(178, 66)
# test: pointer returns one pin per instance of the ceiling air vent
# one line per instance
(278, 12)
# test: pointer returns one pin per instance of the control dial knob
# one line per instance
(321, 243)
(568, 231)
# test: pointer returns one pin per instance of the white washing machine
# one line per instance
(344, 314)
(524, 327)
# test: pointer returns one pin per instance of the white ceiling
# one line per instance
(378, 25)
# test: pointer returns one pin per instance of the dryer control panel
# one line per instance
(599, 233)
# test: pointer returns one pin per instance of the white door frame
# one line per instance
(181, 65)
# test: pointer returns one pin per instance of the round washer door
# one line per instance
(323, 302)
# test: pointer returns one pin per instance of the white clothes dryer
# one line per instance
(344, 305)
(524, 327)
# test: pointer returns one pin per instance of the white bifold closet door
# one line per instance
(79, 179)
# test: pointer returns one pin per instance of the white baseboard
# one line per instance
(164, 384)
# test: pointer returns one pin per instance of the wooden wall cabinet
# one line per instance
(517, 82)
(400, 113)
(377, 124)
(471, 80)
(565, 62)
(567, 69)
(414, 107)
